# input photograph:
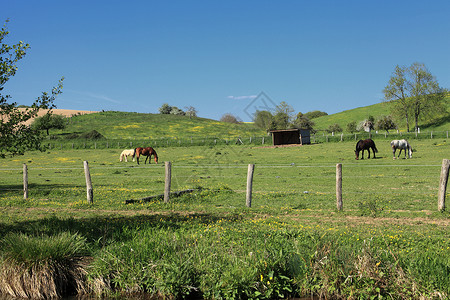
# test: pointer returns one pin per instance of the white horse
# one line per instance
(402, 145)
(125, 153)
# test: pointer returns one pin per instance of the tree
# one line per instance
(190, 111)
(49, 121)
(366, 125)
(176, 111)
(303, 122)
(283, 116)
(229, 118)
(165, 109)
(397, 90)
(414, 93)
(426, 94)
(351, 126)
(315, 114)
(385, 123)
(264, 119)
(15, 136)
(334, 128)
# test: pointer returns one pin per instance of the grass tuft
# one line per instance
(42, 267)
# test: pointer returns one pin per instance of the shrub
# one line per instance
(229, 118)
(334, 128)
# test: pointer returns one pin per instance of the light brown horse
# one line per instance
(149, 151)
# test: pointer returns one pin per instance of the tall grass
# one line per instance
(42, 266)
(267, 258)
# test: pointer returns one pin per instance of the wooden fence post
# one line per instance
(248, 198)
(25, 181)
(443, 184)
(339, 186)
(89, 189)
(168, 179)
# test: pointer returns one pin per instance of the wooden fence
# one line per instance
(216, 141)
(251, 167)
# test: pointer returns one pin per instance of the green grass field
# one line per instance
(130, 126)
(160, 130)
(389, 240)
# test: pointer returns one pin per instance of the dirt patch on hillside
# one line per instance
(62, 112)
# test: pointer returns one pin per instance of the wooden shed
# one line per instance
(290, 136)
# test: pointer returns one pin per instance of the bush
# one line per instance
(351, 127)
(334, 128)
(229, 118)
(315, 114)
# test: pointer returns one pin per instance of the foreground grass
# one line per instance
(389, 241)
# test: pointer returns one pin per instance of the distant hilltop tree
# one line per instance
(167, 109)
(176, 111)
(190, 111)
(315, 114)
(229, 118)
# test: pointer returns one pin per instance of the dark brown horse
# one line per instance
(149, 151)
(365, 145)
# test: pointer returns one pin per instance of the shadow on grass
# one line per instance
(101, 230)
(438, 122)
(6, 189)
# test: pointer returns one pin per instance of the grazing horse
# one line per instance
(365, 145)
(125, 153)
(149, 151)
(402, 145)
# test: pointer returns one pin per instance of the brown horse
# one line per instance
(365, 145)
(149, 151)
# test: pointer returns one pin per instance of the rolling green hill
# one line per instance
(440, 123)
(127, 125)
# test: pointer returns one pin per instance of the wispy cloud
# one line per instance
(242, 97)
(96, 96)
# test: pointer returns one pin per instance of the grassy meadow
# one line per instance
(130, 126)
(388, 242)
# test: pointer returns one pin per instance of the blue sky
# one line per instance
(219, 55)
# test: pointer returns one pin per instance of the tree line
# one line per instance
(413, 92)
